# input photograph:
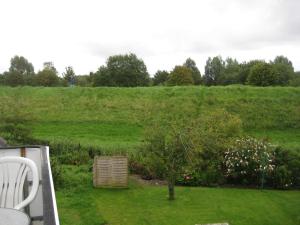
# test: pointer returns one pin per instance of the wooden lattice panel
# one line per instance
(110, 171)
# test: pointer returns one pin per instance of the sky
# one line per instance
(164, 33)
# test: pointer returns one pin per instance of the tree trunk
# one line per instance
(171, 189)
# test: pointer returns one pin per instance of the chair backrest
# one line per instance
(13, 173)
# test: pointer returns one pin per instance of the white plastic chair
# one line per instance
(13, 172)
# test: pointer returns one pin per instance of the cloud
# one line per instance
(164, 33)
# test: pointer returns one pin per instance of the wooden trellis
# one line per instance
(110, 171)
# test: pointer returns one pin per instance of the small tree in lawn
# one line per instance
(169, 147)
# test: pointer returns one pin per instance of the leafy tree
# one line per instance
(50, 66)
(283, 60)
(20, 72)
(191, 64)
(13, 79)
(168, 147)
(21, 65)
(283, 70)
(102, 77)
(160, 77)
(261, 74)
(69, 75)
(47, 77)
(245, 68)
(2, 80)
(295, 81)
(83, 80)
(183, 142)
(231, 72)
(180, 75)
(214, 69)
(122, 70)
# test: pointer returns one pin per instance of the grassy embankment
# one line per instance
(114, 117)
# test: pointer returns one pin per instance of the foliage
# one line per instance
(215, 133)
(50, 66)
(261, 74)
(180, 75)
(248, 161)
(287, 170)
(47, 77)
(283, 70)
(245, 68)
(191, 64)
(188, 147)
(21, 65)
(231, 72)
(13, 79)
(169, 148)
(160, 77)
(295, 81)
(69, 75)
(83, 80)
(214, 69)
(56, 169)
(123, 71)
(21, 72)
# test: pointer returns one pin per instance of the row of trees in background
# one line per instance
(21, 72)
(130, 71)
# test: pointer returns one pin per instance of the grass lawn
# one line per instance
(140, 204)
(109, 135)
(123, 135)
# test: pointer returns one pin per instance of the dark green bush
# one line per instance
(287, 170)
(57, 171)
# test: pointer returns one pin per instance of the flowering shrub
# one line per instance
(248, 161)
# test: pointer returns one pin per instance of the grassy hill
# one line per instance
(114, 117)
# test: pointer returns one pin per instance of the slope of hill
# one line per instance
(114, 117)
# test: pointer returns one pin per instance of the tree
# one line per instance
(214, 69)
(21, 65)
(83, 80)
(245, 68)
(231, 72)
(122, 70)
(50, 66)
(283, 70)
(261, 74)
(69, 75)
(20, 72)
(13, 79)
(47, 77)
(295, 81)
(175, 143)
(189, 63)
(180, 75)
(2, 80)
(169, 148)
(160, 77)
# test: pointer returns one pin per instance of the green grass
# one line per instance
(109, 117)
(289, 138)
(105, 134)
(145, 205)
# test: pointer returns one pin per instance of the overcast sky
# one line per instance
(83, 33)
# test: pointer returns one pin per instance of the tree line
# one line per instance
(130, 71)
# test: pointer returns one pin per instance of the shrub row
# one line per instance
(249, 162)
